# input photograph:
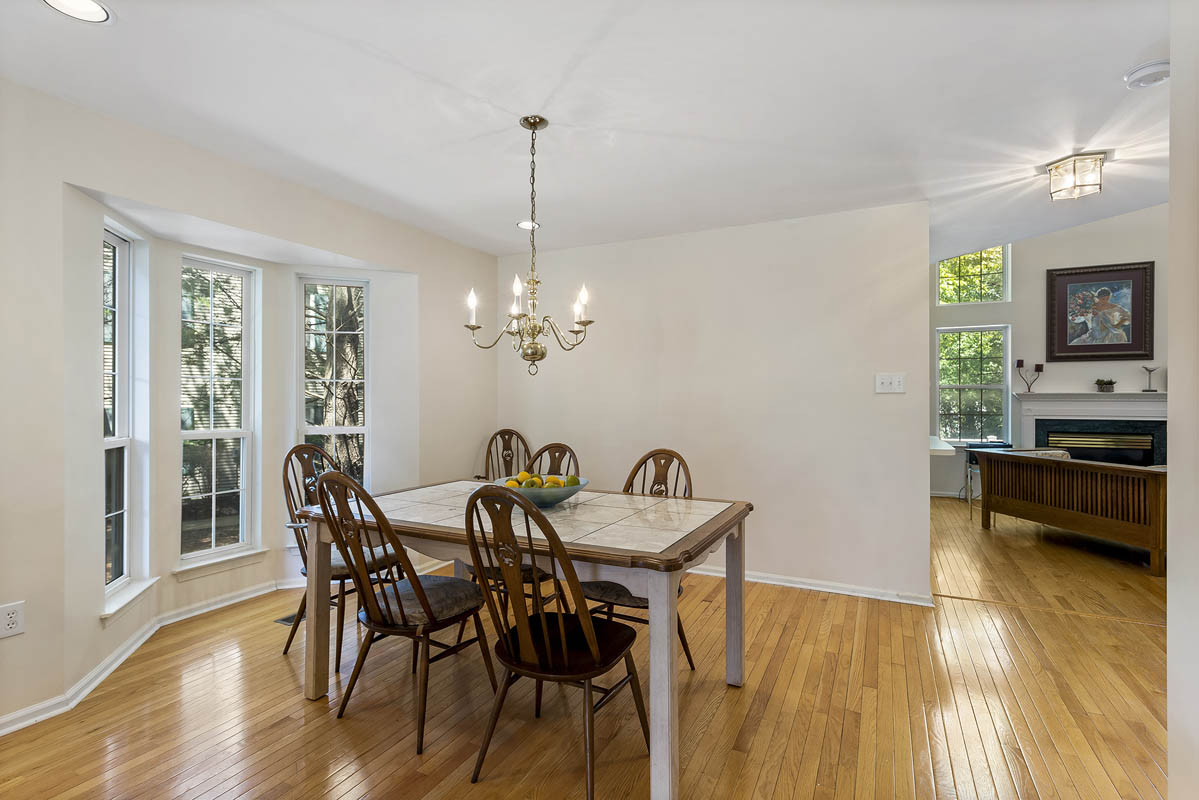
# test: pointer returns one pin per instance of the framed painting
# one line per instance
(1100, 313)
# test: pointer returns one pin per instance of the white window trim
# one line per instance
(249, 381)
(1006, 388)
(302, 428)
(1007, 281)
(123, 386)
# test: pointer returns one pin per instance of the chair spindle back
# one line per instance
(507, 453)
(652, 474)
(499, 524)
(554, 459)
(372, 551)
(302, 467)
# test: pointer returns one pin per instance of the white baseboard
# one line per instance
(822, 586)
(946, 494)
(24, 717)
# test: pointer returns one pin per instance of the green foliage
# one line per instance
(971, 278)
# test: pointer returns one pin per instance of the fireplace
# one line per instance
(1137, 442)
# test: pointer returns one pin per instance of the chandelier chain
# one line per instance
(533, 200)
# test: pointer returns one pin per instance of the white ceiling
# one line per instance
(665, 116)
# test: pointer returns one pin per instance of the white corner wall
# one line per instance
(51, 553)
(1182, 576)
(751, 350)
(1137, 236)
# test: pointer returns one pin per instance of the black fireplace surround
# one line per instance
(1112, 455)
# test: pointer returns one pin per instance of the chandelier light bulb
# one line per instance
(472, 303)
(583, 296)
(517, 288)
(515, 310)
(578, 311)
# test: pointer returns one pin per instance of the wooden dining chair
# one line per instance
(302, 467)
(413, 607)
(554, 459)
(507, 453)
(554, 638)
(660, 472)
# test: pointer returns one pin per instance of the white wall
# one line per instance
(50, 481)
(1139, 236)
(1182, 577)
(751, 350)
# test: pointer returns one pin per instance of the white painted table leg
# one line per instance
(663, 685)
(460, 569)
(734, 607)
(316, 626)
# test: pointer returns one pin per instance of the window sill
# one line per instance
(116, 603)
(188, 571)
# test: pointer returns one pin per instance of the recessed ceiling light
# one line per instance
(1151, 73)
(85, 10)
(528, 225)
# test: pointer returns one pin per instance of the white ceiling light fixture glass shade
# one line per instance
(1076, 176)
(83, 10)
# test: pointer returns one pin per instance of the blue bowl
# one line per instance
(543, 497)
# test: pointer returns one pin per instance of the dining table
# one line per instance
(645, 542)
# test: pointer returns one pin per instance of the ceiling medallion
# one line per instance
(523, 325)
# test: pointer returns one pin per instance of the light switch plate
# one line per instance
(890, 382)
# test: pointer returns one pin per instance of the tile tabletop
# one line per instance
(621, 521)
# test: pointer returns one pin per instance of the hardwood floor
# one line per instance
(1049, 682)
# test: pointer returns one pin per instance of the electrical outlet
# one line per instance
(12, 619)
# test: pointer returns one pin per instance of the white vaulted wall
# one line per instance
(752, 350)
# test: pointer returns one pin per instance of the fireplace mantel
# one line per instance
(1030, 406)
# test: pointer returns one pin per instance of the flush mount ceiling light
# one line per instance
(1076, 176)
(83, 10)
(1151, 73)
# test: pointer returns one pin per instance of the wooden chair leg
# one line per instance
(638, 699)
(363, 649)
(462, 625)
(486, 651)
(589, 737)
(341, 623)
(537, 699)
(295, 625)
(683, 641)
(415, 654)
(611, 610)
(422, 692)
(505, 680)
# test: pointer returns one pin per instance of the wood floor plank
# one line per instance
(1039, 674)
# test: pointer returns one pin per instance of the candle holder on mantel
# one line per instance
(1149, 377)
(1029, 378)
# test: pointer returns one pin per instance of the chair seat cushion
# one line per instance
(526, 573)
(448, 597)
(613, 638)
(615, 593)
(338, 570)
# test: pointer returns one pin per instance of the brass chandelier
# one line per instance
(523, 325)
